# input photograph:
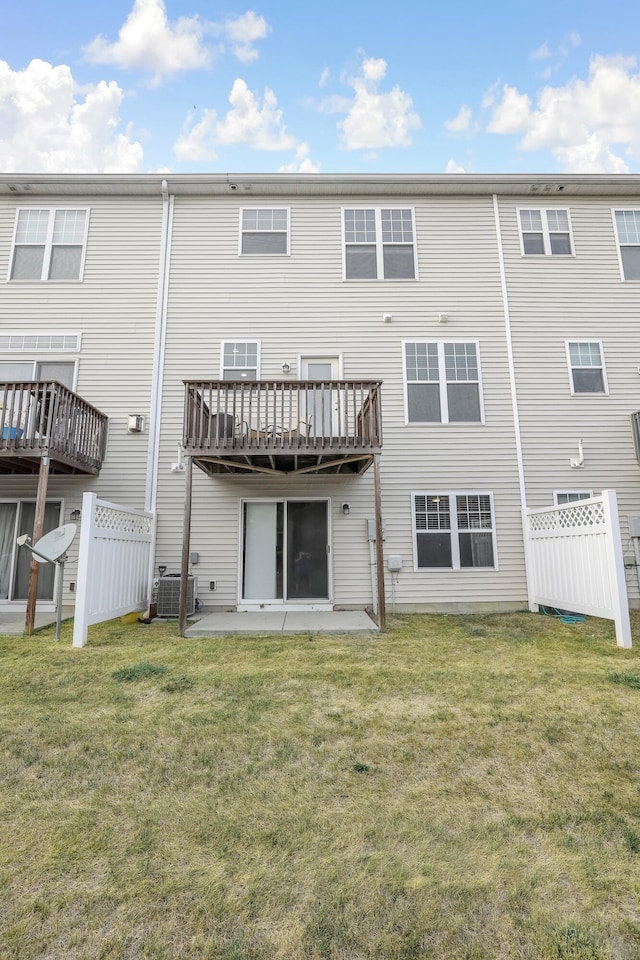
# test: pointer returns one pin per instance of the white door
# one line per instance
(321, 402)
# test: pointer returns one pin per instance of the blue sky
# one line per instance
(198, 86)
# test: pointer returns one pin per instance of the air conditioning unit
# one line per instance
(169, 596)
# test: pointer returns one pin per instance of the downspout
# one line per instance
(514, 393)
(157, 380)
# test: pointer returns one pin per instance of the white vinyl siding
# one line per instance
(453, 530)
(545, 232)
(240, 360)
(586, 367)
(442, 382)
(379, 244)
(49, 244)
(264, 231)
(627, 227)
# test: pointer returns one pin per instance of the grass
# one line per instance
(460, 788)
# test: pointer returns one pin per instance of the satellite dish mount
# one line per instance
(52, 548)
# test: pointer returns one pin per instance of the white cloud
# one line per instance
(542, 53)
(302, 162)
(257, 126)
(374, 119)
(453, 167)
(149, 41)
(459, 123)
(512, 113)
(324, 77)
(582, 121)
(242, 34)
(48, 127)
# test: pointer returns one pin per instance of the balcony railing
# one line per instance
(244, 419)
(45, 418)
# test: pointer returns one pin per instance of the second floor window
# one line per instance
(49, 244)
(545, 232)
(628, 233)
(586, 367)
(240, 360)
(264, 231)
(379, 244)
(443, 382)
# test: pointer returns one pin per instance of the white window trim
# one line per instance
(241, 340)
(53, 359)
(556, 493)
(546, 239)
(614, 210)
(48, 245)
(605, 382)
(444, 402)
(24, 334)
(264, 206)
(380, 245)
(453, 532)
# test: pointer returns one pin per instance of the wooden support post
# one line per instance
(186, 543)
(379, 547)
(38, 527)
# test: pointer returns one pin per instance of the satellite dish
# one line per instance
(54, 544)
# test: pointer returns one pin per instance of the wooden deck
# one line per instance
(278, 427)
(45, 419)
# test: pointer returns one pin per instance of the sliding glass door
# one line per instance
(16, 518)
(285, 551)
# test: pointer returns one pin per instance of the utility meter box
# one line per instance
(371, 530)
(394, 563)
(634, 526)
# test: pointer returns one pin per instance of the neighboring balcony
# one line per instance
(45, 419)
(275, 427)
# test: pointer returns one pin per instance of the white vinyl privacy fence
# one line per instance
(113, 563)
(575, 562)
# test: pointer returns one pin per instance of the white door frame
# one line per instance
(336, 361)
(282, 604)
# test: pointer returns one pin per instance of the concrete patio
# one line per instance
(12, 621)
(334, 621)
(207, 623)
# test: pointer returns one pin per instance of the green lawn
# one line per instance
(462, 787)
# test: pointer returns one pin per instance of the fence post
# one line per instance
(81, 616)
(530, 566)
(616, 568)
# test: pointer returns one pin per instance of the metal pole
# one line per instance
(60, 566)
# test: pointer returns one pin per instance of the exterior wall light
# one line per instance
(346, 509)
(286, 367)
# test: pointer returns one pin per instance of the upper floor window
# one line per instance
(562, 497)
(32, 340)
(264, 231)
(49, 244)
(628, 233)
(442, 382)
(586, 367)
(545, 232)
(240, 360)
(454, 531)
(379, 244)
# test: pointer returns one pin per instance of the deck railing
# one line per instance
(45, 417)
(282, 416)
